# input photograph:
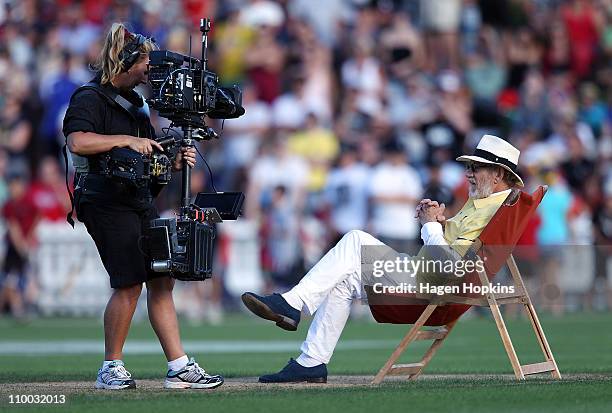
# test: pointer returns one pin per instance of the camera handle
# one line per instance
(191, 135)
(204, 28)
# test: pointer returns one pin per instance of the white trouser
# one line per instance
(327, 292)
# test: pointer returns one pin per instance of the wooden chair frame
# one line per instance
(493, 301)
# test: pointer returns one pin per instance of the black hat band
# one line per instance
(481, 153)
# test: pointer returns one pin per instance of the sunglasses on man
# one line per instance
(475, 167)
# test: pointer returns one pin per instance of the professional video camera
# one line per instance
(185, 93)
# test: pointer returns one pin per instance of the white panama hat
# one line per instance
(495, 151)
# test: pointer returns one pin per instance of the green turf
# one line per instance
(582, 344)
(444, 395)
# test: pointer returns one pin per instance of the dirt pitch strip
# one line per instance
(250, 383)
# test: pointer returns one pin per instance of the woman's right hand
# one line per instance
(142, 145)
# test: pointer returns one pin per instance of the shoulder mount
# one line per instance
(137, 113)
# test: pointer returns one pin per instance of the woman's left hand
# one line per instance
(189, 153)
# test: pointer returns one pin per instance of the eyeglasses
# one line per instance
(475, 167)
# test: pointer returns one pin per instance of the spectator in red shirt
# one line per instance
(21, 217)
(581, 23)
(48, 191)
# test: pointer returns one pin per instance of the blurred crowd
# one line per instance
(355, 110)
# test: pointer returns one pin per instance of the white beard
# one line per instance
(481, 190)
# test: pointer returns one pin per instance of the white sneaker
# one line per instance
(192, 376)
(114, 377)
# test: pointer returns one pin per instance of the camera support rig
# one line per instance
(183, 245)
(196, 131)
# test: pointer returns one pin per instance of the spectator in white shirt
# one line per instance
(395, 189)
(346, 192)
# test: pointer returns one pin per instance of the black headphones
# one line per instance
(130, 53)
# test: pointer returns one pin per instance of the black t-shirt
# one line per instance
(440, 193)
(577, 172)
(89, 111)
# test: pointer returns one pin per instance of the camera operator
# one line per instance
(116, 212)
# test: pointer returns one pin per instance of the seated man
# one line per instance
(330, 286)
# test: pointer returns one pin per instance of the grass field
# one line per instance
(469, 373)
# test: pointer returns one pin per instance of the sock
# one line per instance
(305, 360)
(179, 363)
(107, 362)
(293, 300)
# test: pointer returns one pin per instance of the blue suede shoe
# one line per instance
(274, 308)
(293, 372)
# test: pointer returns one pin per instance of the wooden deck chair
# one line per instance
(496, 243)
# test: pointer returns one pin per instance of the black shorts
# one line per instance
(14, 262)
(118, 236)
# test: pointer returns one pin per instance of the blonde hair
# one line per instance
(109, 61)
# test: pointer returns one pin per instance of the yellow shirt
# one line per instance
(319, 147)
(462, 230)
